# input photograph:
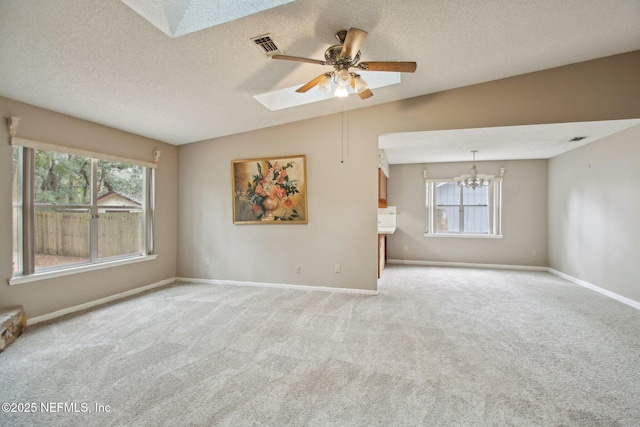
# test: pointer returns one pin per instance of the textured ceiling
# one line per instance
(497, 143)
(101, 61)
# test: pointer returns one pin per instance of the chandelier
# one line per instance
(474, 179)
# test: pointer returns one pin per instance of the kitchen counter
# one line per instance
(386, 230)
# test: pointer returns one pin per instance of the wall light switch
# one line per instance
(337, 268)
(298, 269)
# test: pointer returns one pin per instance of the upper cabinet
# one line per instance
(382, 189)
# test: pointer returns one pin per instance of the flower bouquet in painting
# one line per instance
(268, 190)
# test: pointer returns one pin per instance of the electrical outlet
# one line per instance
(534, 253)
(298, 269)
(207, 261)
(337, 268)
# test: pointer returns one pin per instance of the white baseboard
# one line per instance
(467, 265)
(59, 313)
(624, 300)
(97, 302)
(278, 286)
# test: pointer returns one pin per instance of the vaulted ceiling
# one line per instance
(101, 61)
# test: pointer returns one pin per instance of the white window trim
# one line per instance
(46, 146)
(67, 271)
(464, 236)
(148, 213)
(495, 212)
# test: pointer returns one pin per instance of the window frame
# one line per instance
(24, 208)
(495, 211)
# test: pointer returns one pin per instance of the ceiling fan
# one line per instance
(342, 57)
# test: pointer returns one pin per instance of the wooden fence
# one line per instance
(67, 233)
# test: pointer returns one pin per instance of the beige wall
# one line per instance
(343, 197)
(594, 210)
(341, 210)
(47, 296)
(524, 211)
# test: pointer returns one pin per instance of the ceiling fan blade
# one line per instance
(311, 84)
(353, 42)
(402, 67)
(299, 59)
(365, 94)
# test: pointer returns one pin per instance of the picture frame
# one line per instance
(270, 190)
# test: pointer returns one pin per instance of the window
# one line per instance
(71, 210)
(459, 211)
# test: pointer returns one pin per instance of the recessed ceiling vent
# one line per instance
(266, 45)
(577, 138)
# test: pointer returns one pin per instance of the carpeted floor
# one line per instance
(437, 347)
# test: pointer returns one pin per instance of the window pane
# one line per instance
(62, 179)
(476, 219)
(476, 209)
(61, 236)
(447, 193)
(447, 207)
(120, 184)
(119, 232)
(120, 229)
(447, 219)
(478, 196)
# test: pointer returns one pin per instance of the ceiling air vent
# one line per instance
(266, 45)
(577, 138)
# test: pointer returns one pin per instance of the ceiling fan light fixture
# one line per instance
(343, 77)
(360, 84)
(325, 84)
(341, 91)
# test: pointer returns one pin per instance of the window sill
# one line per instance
(465, 236)
(79, 269)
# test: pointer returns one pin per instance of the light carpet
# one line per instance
(437, 347)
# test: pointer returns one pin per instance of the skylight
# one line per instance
(176, 18)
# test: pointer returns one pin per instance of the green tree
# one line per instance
(66, 179)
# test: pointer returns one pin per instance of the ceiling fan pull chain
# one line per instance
(342, 134)
(348, 111)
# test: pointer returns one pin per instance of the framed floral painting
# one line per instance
(270, 190)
